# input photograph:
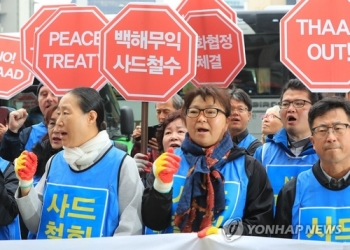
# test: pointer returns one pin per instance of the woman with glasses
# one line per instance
(271, 122)
(208, 183)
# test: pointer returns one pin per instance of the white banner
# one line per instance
(172, 241)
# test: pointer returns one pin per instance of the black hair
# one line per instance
(240, 95)
(296, 84)
(218, 94)
(328, 103)
(90, 99)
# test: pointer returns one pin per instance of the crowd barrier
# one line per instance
(172, 241)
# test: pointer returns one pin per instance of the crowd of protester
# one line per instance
(65, 178)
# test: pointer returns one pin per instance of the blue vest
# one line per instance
(236, 183)
(282, 167)
(11, 231)
(36, 134)
(319, 213)
(81, 204)
(245, 143)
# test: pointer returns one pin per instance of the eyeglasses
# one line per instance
(208, 112)
(269, 117)
(296, 104)
(240, 110)
(339, 129)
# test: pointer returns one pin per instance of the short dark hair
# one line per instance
(160, 132)
(328, 103)
(90, 99)
(219, 95)
(240, 95)
(296, 84)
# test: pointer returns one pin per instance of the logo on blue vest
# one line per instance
(325, 224)
(72, 212)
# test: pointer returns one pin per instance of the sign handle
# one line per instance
(144, 125)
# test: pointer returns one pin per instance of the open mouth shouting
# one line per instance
(235, 119)
(174, 145)
(202, 130)
(56, 139)
(291, 119)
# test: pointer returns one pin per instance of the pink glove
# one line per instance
(25, 167)
(164, 169)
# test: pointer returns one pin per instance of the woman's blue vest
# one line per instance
(81, 204)
(236, 183)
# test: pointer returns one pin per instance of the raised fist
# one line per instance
(25, 167)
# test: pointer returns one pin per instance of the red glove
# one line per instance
(25, 167)
(164, 169)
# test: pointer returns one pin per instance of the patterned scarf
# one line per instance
(203, 195)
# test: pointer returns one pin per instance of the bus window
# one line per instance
(264, 75)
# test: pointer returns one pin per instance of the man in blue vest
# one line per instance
(315, 204)
(15, 139)
(9, 224)
(241, 112)
(289, 151)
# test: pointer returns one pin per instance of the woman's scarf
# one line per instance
(81, 157)
(203, 195)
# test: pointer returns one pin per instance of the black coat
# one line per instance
(156, 207)
(8, 186)
(43, 151)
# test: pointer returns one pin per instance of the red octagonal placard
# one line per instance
(315, 44)
(188, 5)
(221, 54)
(28, 30)
(148, 52)
(14, 76)
(66, 49)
